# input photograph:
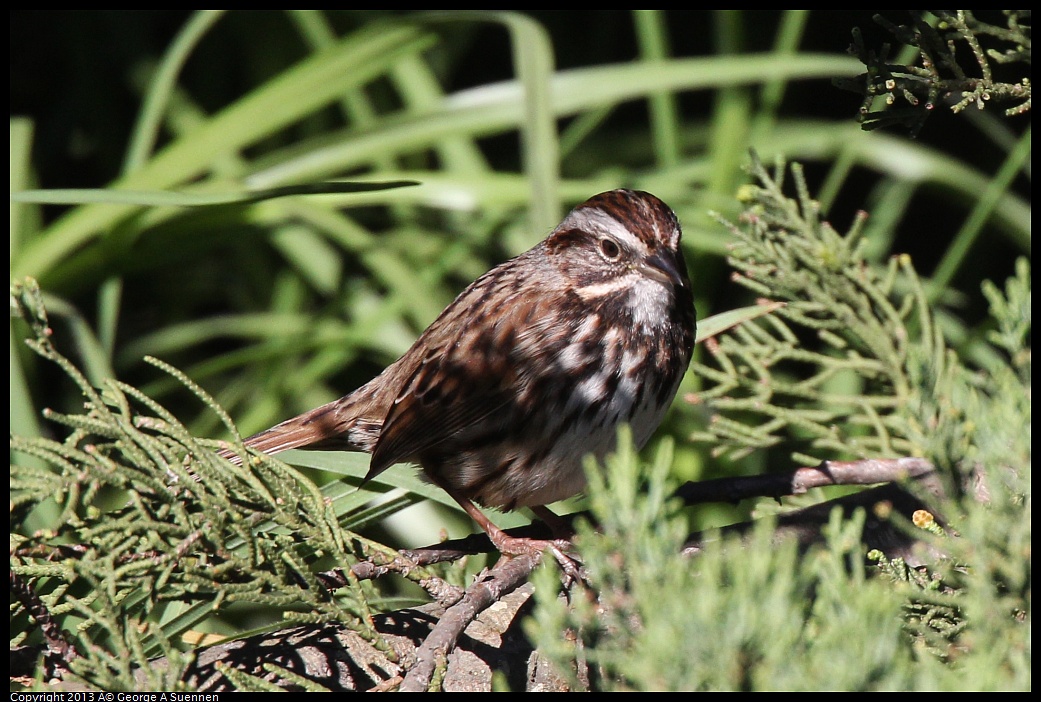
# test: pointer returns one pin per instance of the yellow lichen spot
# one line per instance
(747, 193)
(922, 518)
(883, 509)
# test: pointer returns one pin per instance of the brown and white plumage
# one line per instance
(532, 367)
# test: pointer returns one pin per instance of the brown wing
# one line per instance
(466, 388)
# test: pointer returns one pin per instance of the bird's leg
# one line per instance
(510, 546)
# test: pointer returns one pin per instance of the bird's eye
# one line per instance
(610, 249)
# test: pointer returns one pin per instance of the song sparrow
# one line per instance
(530, 369)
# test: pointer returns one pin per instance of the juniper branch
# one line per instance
(941, 77)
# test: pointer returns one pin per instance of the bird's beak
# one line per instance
(662, 269)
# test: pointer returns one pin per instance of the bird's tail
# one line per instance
(321, 428)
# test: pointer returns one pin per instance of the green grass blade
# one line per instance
(281, 102)
(162, 85)
(168, 198)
